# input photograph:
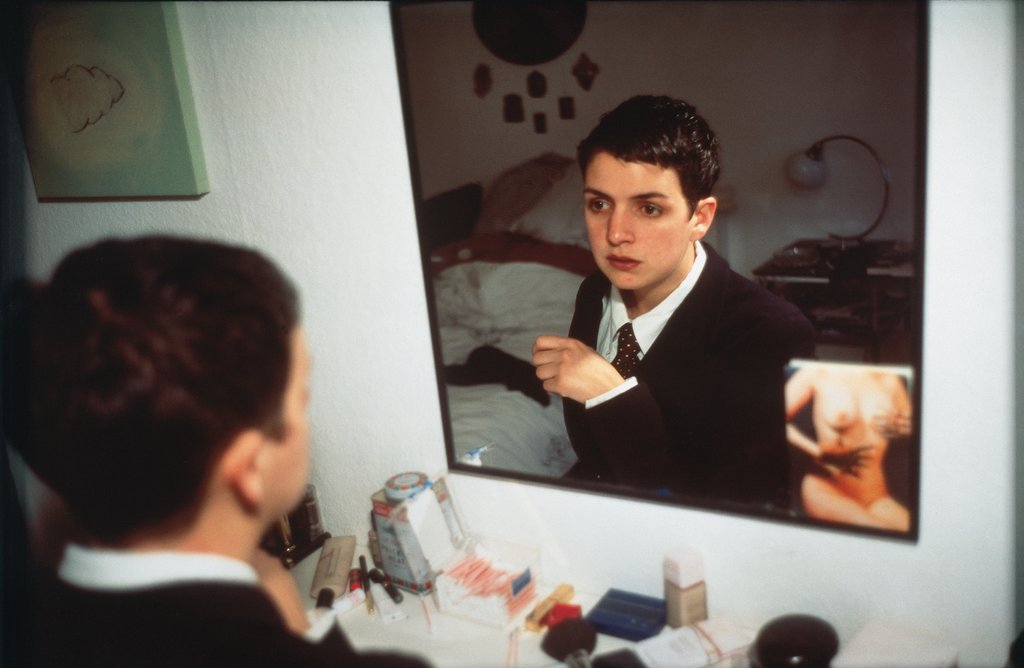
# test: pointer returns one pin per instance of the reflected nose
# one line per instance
(620, 229)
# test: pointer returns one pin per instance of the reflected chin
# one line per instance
(623, 279)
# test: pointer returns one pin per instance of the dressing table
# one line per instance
(445, 640)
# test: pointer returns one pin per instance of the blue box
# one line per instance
(627, 615)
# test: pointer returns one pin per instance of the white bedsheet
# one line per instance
(505, 305)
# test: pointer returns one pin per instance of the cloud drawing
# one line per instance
(85, 95)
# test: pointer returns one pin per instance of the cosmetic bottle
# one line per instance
(686, 599)
(309, 511)
(332, 569)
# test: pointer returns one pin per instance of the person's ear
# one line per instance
(241, 468)
(703, 217)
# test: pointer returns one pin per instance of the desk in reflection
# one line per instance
(857, 295)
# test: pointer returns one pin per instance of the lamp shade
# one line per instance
(805, 171)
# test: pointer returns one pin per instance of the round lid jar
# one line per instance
(402, 486)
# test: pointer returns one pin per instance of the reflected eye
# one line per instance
(650, 210)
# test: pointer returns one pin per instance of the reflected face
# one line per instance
(641, 229)
(291, 453)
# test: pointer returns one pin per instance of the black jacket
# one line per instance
(181, 626)
(708, 417)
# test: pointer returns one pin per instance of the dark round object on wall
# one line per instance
(529, 32)
(794, 641)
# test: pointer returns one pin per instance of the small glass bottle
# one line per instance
(312, 522)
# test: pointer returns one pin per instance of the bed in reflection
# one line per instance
(506, 259)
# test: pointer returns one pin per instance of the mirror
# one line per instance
(819, 108)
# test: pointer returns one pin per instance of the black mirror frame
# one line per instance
(676, 500)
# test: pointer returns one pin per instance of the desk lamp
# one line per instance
(807, 169)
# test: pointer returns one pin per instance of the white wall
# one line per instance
(1019, 308)
(299, 113)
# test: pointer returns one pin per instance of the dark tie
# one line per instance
(628, 355)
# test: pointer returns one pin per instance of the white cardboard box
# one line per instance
(479, 578)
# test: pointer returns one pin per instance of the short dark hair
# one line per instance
(149, 356)
(661, 131)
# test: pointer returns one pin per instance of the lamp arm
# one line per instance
(886, 178)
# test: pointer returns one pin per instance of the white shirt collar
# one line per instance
(648, 326)
(119, 570)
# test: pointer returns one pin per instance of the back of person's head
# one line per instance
(149, 356)
(660, 131)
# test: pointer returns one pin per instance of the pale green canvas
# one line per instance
(109, 107)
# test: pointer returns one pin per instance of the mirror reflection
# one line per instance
(817, 110)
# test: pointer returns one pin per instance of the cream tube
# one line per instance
(339, 606)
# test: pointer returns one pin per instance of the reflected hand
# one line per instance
(573, 370)
(892, 424)
(849, 462)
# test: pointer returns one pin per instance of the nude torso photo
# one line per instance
(856, 412)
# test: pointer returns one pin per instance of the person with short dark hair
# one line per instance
(168, 387)
(674, 364)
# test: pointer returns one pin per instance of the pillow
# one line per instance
(450, 216)
(558, 216)
(508, 247)
(517, 189)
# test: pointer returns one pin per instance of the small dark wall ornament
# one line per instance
(536, 84)
(585, 70)
(540, 123)
(529, 32)
(482, 80)
(567, 108)
(512, 109)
